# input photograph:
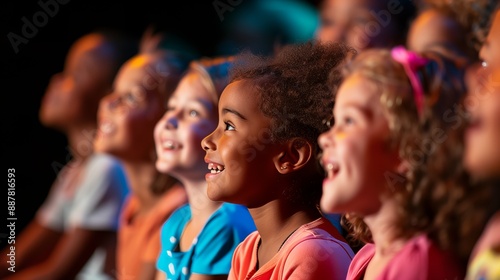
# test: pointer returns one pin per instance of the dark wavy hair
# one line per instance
(295, 90)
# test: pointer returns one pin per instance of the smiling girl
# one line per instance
(263, 155)
(388, 122)
(127, 118)
(199, 238)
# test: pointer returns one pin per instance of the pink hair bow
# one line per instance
(411, 62)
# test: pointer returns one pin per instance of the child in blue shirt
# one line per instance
(198, 239)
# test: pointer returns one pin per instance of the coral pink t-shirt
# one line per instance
(314, 251)
(139, 238)
(419, 259)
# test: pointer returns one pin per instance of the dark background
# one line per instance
(33, 149)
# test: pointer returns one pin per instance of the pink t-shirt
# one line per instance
(419, 259)
(314, 251)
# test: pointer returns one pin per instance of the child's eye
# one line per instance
(348, 120)
(130, 98)
(194, 113)
(229, 126)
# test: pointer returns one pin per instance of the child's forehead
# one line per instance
(358, 91)
(241, 93)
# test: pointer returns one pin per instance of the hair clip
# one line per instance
(411, 62)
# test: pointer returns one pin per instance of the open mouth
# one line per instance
(474, 122)
(106, 127)
(332, 169)
(215, 168)
(170, 145)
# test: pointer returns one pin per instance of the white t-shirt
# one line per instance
(93, 203)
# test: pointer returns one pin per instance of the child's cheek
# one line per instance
(339, 136)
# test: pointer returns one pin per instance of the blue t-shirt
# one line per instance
(212, 250)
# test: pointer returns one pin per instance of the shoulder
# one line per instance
(179, 215)
(232, 211)
(103, 174)
(422, 258)
(101, 163)
(318, 240)
(489, 237)
(230, 218)
(315, 253)
(320, 236)
(484, 265)
(245, 249)
(361, 260)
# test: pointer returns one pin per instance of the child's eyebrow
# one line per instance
(362, 109)
(205, 103)
(232, 111)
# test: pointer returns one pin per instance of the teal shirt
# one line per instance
(212, 250)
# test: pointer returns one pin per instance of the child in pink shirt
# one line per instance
(263, 155)
(388, 125)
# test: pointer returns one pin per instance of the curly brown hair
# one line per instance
(445, 202)
(435, 192)
(296, 88)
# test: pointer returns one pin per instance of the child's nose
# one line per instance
(324, 140)
(110, 102)
(207, 143)
(172, 123)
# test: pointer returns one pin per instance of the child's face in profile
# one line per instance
(238, 152)
(73, 95)
(482, 155)
(356, 154)
(128, 115)
(191, 115)
(354, 23)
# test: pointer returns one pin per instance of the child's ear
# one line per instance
(296, 153)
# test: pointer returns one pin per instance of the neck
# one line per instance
(141, 175)
(383, 228)
(277, 219)
(201, 206)
(80, 141)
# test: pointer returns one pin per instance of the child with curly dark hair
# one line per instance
(199, 238)
(392, 112)
(263, 155)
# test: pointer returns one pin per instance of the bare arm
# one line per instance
(69, 256)
(33, 245)
(160, 275)
(147, 271)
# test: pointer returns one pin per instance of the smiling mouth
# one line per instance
(474, 123)
(215, 168)
(332, 169)
(106, 127)
(170, 145)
